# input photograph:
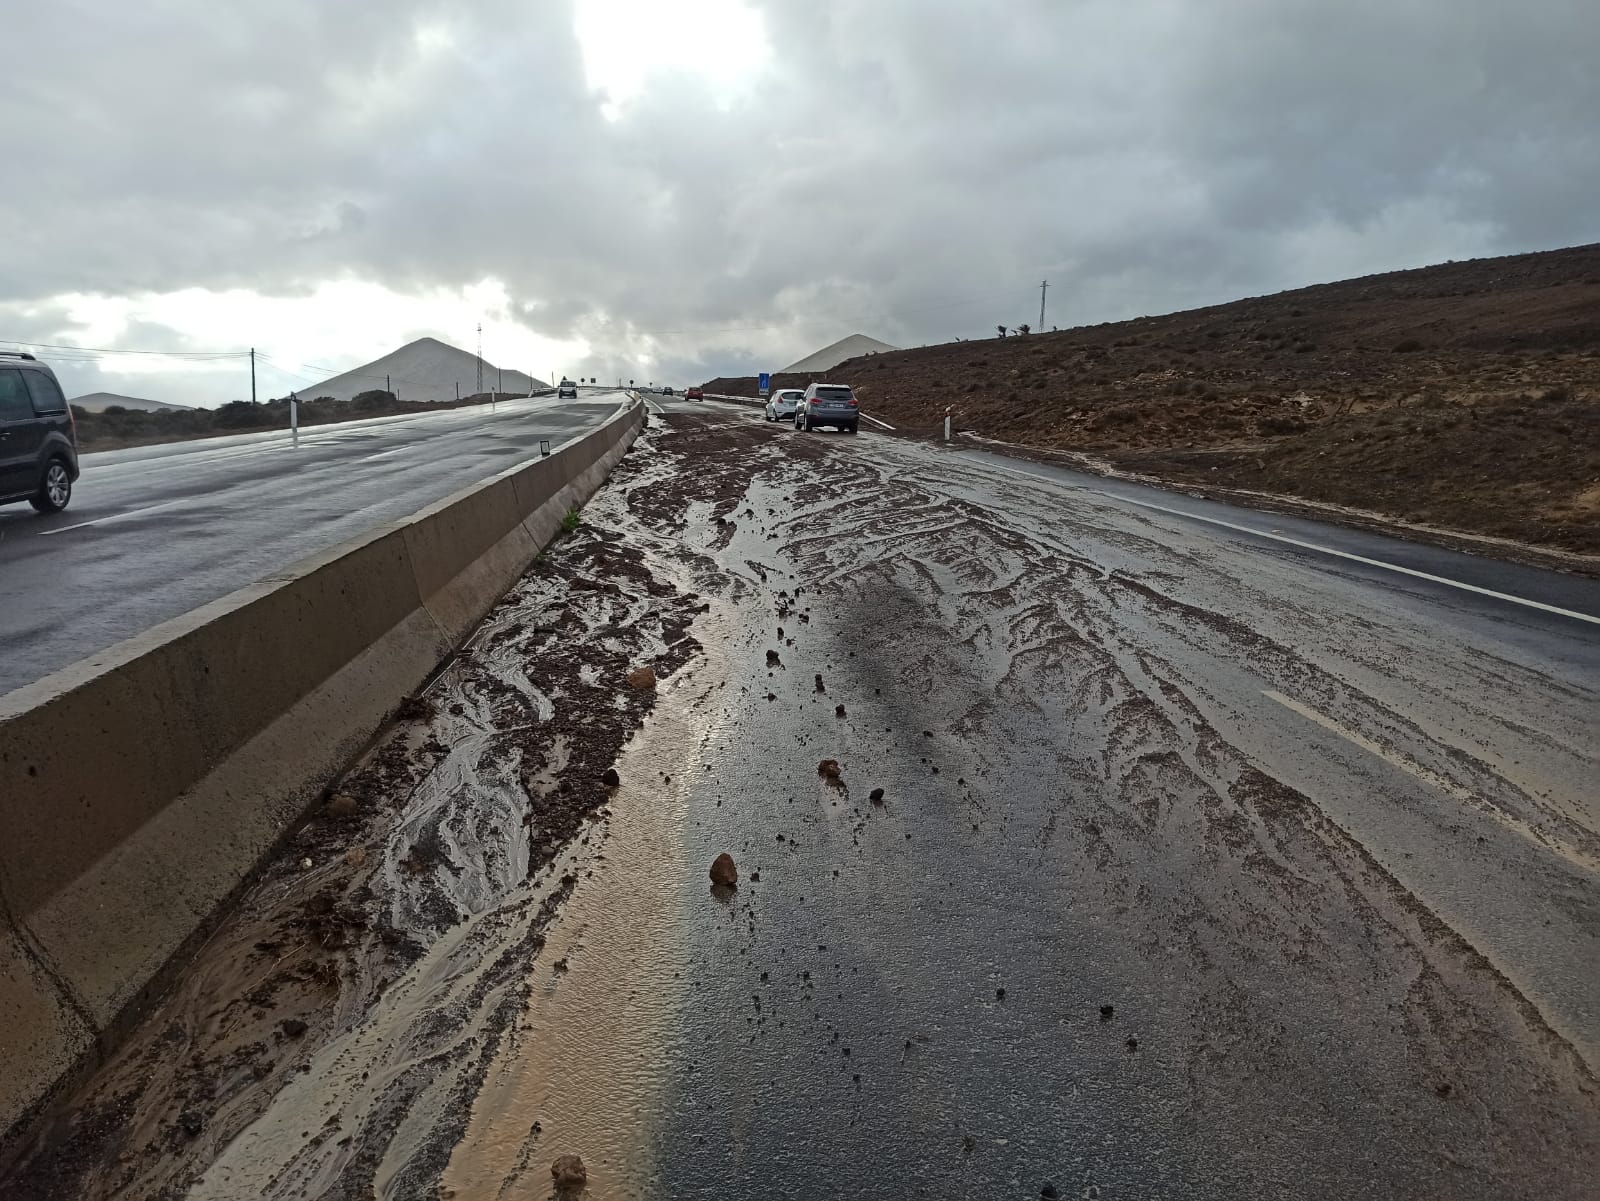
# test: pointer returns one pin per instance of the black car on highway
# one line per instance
(38, 441)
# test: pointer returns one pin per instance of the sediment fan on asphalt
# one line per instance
(99, 402)
(828, 357)
(426, 369)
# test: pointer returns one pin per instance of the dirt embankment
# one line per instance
(1465, 395)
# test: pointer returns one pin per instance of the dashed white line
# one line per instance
(110, 517)
(384, 454)
(1320, 549)
(1434, 780)
(1431, 778)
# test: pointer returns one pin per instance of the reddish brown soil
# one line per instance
(1465, 395)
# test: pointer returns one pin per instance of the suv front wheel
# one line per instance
(55, 490)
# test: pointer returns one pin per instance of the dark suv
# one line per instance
(38, 442)
(828, 404)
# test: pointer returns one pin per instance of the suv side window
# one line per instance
(47, 398)
(14, 402)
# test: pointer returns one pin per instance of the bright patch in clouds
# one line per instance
(625, 42)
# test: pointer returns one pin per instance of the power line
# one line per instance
(323, 374)
(282, 370)
(884, 313)
(104, 350)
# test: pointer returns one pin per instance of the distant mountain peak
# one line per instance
(850, 347)
(424, 369)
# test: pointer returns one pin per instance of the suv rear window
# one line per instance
(833, 393)
(47, 398)
(14, 402)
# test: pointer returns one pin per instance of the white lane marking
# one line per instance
(1427, 776)
(875, 421)
(166, 464)
(1323, 550)
(384, 454)
(1434, 780)
(112, 517)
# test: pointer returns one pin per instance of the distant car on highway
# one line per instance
(694, 394)
(783, 403)
(828, 404)
(567, 390)
(38, 439)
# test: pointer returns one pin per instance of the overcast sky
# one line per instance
(679, 190)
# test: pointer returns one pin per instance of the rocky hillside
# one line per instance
(1465, 395)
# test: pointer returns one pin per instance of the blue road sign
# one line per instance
(764, 383)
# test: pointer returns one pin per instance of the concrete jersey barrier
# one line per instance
(140, 787)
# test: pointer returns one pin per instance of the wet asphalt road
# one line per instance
(1323, 835)
(156, 531)
(1207, 865)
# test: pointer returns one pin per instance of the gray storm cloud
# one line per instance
(911, 168)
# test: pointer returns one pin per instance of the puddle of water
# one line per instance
(583, 1072)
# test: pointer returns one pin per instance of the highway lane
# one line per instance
(156, 531)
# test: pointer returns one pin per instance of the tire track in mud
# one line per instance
(1187, 833)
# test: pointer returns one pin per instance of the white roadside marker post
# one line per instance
(294, 419)
(947, 423)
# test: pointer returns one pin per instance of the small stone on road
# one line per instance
(723, 871)
(569, 1174)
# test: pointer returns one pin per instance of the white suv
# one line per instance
(783, 403)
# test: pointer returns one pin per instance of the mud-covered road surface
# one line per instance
(1159, 862)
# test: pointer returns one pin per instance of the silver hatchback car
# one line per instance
(783, 403)
(828, 404)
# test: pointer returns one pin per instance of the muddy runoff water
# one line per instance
(331, 1037)
(584, 1065)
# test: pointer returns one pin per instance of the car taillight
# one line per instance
(852, 402)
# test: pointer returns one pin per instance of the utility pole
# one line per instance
(387, 387)
(1044, 287)
(252, 375)
(480, 358)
